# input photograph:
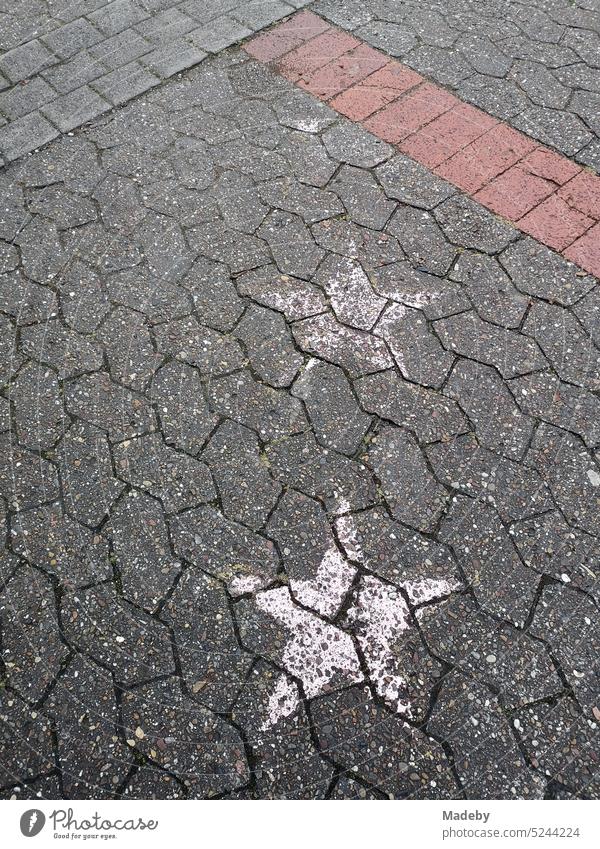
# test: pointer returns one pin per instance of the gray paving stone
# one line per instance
(369, 247)
(258, 14)
(182, 737)
(307, 157)
(319, 576)
(538, 271)
(142, 554)
(491, 292)
(422, 240)
(117, 16)
(119, 50)
(417, 352)
(63, 548)
(26, 302)
(69, 39)
(347, 142)
(243, 560)
(571, 474)
(389, 37)
(211, 352)
(516, 491)
(24, 135)
(239, 201)
(119, 411)
(551, 547)
(413, 495)
(587, 311)
(566, 619)
(475, 726)
(150, 783)
(299, 110)
(213, 664)
(121, 85)
(363, 198)
(81, 69)
(219, 34)
(32, 651)
(293, 297)
(127, 344)
(88, 483)
(491, 409)
(340, 483)
(66, 208)
(248, 493)
(83, 299)
(39, 414)
(310, 203)
(423, 568)
(401, 669)
(116, 635)
(272, 625)
(173, 58)
(272, 413)
(177, 480)
(503, 586)
(26, 97)
(268, 343)
(409, 182)
(76, 108)
(356, 351)
(36, 483)
(496, 653)
(139, 291)
(567, 752)
(26, 736)
(562, 404)
(510, 352)
(338, 421)
(428, 413)
(468, 224)
(26, 61)
(240, 252)
(366, 740)
(93, 758)
(434, 296)
(180, 399)
(566, 344)
(292, 245)
(275, 721)
(350, 292)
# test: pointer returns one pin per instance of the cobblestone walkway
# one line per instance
(299, 477)
(64, 62)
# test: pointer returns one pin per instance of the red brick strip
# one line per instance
(541, 192)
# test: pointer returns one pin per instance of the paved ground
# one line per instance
(299, 474)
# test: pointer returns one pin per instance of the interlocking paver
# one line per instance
(288, 421)
(181, 736)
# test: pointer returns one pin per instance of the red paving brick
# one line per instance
(413, 111)
(446, 135)
(549, 165)
(292, 33)
(514, 193)
(488, 156)
(339, 75)
(583, 193)
(555, 223)
(376, 91)
(308, 58)
(543, 193)
(586, 251)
